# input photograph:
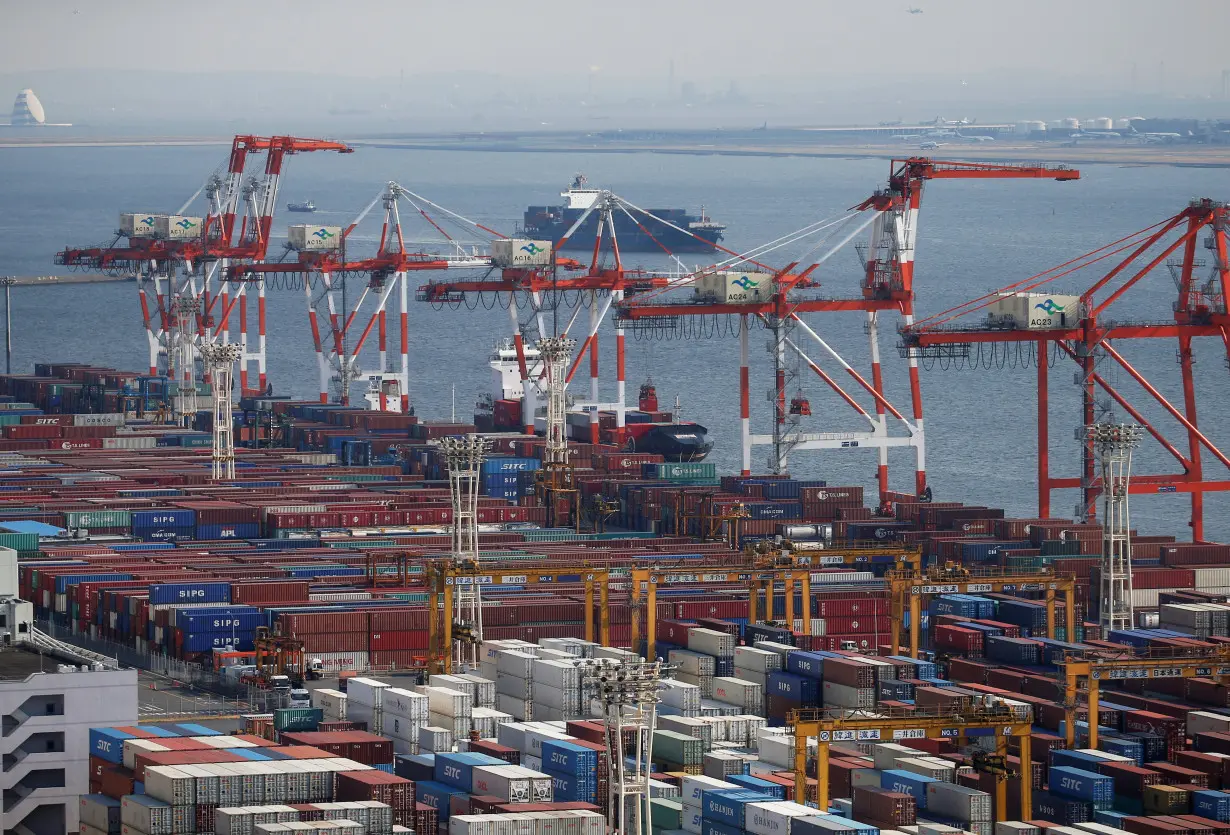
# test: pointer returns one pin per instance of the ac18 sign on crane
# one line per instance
(180, 256)
(777, 300)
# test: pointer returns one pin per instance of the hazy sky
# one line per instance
(634, 38)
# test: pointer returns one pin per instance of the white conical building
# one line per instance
(27, 109)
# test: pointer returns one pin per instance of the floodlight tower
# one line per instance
(186, 310)
(556, 485)
(628, 694)
(464, 456)
(1113, 444)
(220, 359)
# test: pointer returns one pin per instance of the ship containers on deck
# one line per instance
(1066, 781)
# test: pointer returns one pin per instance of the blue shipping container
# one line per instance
(457, 769)
(572, 788)
(497, 464)
(166, 518)
(564, 757)
(1061, 810)
(108, 744)
(437, 796)
(65, 580)
(219, 622)
(163, 593)
(806, 664)
(1066, 781)
(757, 784)
(906, 782)
(1211, 804)
(709, 827)
(801, 689)
(726, 805)
(243, 530)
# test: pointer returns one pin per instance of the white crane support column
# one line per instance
(628, 693)
(1113, 445)
(221, 359)
(186, 309)
(555, 352)
(464, 456)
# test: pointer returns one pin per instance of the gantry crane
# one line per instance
(1097, 666)
(990, 717)
(907, 591)
(887, 286)
(188, 259)
(1080, 329)
(896, 557)
(444, 576)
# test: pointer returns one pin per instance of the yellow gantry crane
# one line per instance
(857, 555)
(445, 576)
(1131, 666)
(851, 726)
(907, 590)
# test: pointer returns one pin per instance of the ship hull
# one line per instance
(553, 222)
(676, 443)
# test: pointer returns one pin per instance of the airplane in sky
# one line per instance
(940, 120)
(1155, 137)
(913, 10)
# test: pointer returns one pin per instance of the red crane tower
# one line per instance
(182, 256)
(1043, 326)
(887, 285)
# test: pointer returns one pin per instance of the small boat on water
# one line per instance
(305, 206)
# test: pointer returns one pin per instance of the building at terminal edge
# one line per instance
(50, 695)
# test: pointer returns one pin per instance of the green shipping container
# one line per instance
(684, 470)
(19, 541)
(98, 519)
(678, 748)
(297, 718)
(665, 813)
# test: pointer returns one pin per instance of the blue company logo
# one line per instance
(1049, 307)
(184, 223)
(532, 248)
(323, 234)
(744, 282)
(147, 221)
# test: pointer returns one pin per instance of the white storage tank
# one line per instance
(748, 287)
(138, 225)
(306, 237)
(519, 252)
(1071, 124)
(1022, 128)
(1123, 124)
(1037, 125)
(1103, 123)
(177, 227)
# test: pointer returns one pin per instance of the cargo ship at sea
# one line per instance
(672, 229)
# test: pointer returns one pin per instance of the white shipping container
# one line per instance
(690, 725)
(616, 654)
(952, 801)
(702, 683)
(331, 702)
(131, 747)
(1016, 828)
(693, 663)
(866, 777)
(93, 812)
(436, 740)
(446, 701)
(886, 755)
(505, 782)
(484, 689)
(734, 287)
(748, 695)
(514, 663)
(711, 642)
(170, 785)
(564, 675)
(778, 750)
(522, 709)
(1202, 721)
(312, 238)
(1035, 311)
(681, 695)
(365, 691)
(692, 785)
(399, 727)
(518, 688)
(460, 725)
(755, 676)
(520, 252)
(487, 720)
(177, 227)
(773, 818)
(398, 702)
(841, 695)
(138, 225)
(781, 649)
(927, 768)
(568, 701)
(101, 419)
(760, 660)
(146, 814)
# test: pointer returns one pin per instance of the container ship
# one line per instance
(298, 567)
(672, 229)
(647, 429)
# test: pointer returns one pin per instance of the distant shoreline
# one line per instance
(1179, 156)
(74, 278)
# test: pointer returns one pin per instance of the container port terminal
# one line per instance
(524, 623)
